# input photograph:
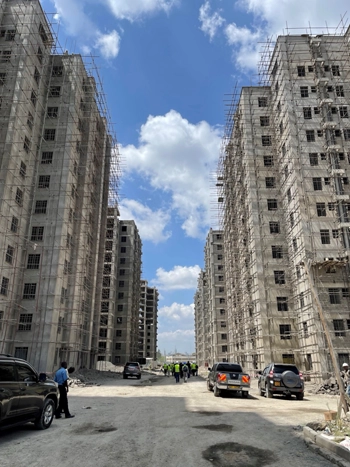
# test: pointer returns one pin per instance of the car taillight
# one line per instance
(271, 374)
(221, 377)
(301, 375)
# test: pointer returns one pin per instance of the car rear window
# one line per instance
(132, 364)
(229, 367)
(283, 368)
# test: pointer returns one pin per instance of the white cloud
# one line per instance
(210, 22)
(151, 224)
(247, 44)
(78, 24)
(178, 278)
(177, 312)
(181, 340)
(176, 334)
(135, 9)
(176, 156)
(108, 44)
(270, 18)
(278, 14)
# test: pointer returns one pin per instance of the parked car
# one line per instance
(25, 395)
(228, 377)
(281, 378)
(132, 369)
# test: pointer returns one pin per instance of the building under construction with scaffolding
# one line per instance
(284, 204)
(58, 174)
(148, 321)
(210, 303)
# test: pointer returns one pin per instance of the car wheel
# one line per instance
(245, 394)
(44, 421)
(217, 392)
(139, 377)
(300, 396)
(124, 376)
(268, 393)
(261, 392)
(208, 386)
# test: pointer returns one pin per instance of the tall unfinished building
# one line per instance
(210, 304)
(284, 198)
(201, 321)
(126, 339)
(148, 321)
(117, 317)
(56, 150)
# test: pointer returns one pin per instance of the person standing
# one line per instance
(177, 372)
(61, 378)
(345, 374)
(165, 369)
(185, 371)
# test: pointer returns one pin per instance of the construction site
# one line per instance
(59, 175)
(282, 191)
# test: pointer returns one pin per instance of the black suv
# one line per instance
(25, 396)
(281, 378)
(132, 369)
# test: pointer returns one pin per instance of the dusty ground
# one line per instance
(155, 422)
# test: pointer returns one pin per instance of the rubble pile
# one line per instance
(85, 377)
(329, 386)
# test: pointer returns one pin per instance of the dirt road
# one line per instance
(155, 422)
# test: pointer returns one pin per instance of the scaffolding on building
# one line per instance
(60, 173)
(301, 222)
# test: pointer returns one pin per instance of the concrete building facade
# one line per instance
(129, 257)
(201, 320)
(55, 154)
(284, 197)
(210, 304)
(148, 321)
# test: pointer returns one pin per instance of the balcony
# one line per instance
(335, 172)
(326, 101)
(322, 80)
(329, 125)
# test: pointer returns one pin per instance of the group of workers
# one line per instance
(180, 370)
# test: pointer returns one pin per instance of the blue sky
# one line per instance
(166, 66)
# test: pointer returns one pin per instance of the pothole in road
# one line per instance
(238, 455)
(223, 428)
(90, 429)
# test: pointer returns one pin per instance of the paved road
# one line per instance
(158, 423)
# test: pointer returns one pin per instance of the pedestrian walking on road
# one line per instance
(189, 368)
(61, 378)
(177, 372)
(185, 371)
(181, 373)
(165, 369)
(193, 369)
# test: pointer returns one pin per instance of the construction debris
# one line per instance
(329, 386)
